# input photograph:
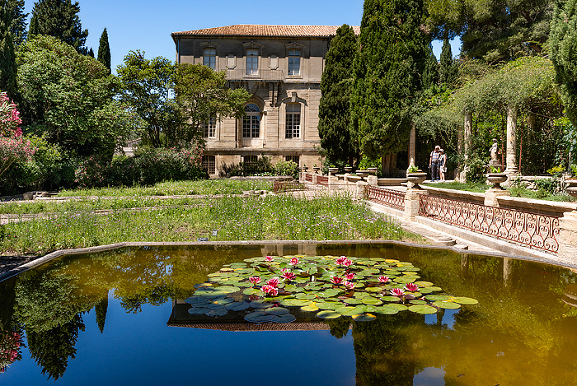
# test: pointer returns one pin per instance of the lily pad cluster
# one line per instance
(267, 288)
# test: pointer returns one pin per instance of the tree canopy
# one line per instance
(59, 18)
(337, 141)
(7, 56)
(69, 98)
(104, 50)
(387, 74)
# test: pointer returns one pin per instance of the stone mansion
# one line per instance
(281, 67)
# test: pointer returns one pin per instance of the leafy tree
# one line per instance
(334, 109)
(68, 97)
(59, 18)
(387, 77)
(104, 50)
(563, 45)
(202, 94)
(17, 19)
(448, 69)
(7, 56)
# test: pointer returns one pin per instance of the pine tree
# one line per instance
(104, 50)
(448, 70)
(7, 56)
(563, 45)
(387, 74)
(59, 18)
(334, 108)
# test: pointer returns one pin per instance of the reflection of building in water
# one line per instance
(233, 321)
(570, 295)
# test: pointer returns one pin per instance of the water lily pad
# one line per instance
(198, 310)
(310, 308)
(348, 311)
(417, 301)
(374, 289)
(437, 297)
(387, 310)
(251, 291)
(277, 311)
(446, 305)
(400, 307)
(295, 302)
(218, 312)
(405, 279)
(329, 305)
(237, 306)
(422, 283)
(259, 317)
(423, 309)
(372, 301)
(464, 300)
(391, 299)
(353, 301)
(328, 314)
(286, 318)
(364, 317)
(260, 304)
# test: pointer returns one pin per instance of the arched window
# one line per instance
(293, 120)
(251, 121)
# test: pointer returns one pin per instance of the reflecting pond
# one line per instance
(122, 317)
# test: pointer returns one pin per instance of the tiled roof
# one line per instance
(266, 31)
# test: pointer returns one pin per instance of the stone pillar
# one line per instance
(467, 139)
(412, 203)
(511, 161)
(360, 194)
(492, 195)
(568, 238)
(412, 145)
(460, 151)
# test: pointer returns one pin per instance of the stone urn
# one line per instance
(571, 187)
(362, 173)
(333, 171)
(496, 179)
(416, 178)
(348, 169)
(372, 171)
(316, 169)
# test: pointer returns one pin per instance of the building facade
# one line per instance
(281, 67)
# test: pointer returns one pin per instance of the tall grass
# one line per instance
(230, 218)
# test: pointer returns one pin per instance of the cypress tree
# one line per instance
(563, 46)
(334, 108)
(59, 18)
(448, 68)
(431, 73)
(104, 50)
(387, 74)
(7, 56)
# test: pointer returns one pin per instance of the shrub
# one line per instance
(286, 168)
(476, 170)
(157, 165)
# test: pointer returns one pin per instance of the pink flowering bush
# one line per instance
(13, 145)
(10, 342)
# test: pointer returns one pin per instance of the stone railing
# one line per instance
(544, 226)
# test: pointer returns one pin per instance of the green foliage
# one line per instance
(68, 97)
(201, 94)
(337, 141)
(7, 56)
(431, 74)
(387, 74)
(563, 46)
(104, 50)
(286, 168)
(262, 167)
(448, 68)
(59, 18)
(573, 170)
(476, 169)
(17, 18)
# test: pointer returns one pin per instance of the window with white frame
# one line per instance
(209, 128)
(294, 62)
(252, 61)
(209, 57)
(293, 158)
(293, 120)
(251, 121)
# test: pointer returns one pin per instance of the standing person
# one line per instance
(442, 164)
(434, 163)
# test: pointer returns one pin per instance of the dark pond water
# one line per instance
(117, 318)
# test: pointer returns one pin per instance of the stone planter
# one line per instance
(348, 169)
(372, 171)
(316, 169)
(415, 179)
(362, 173)
(571, 188)
(333, 171)
(496, 179)
(353, 178)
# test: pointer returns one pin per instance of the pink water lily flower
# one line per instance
(384, 279)
(294, 261)
(269, 258)
(288, 275)
(412, 287)
(254, 279)
(336, 280)
(347, 262)
(269, 290)
(341, 260)
(273, 282)
(397, 292)
(350, 276)
(349, 285)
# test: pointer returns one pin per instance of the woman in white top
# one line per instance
(442, 164)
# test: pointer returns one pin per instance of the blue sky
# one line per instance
(146, 25)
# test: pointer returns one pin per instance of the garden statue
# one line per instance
(494, 150)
